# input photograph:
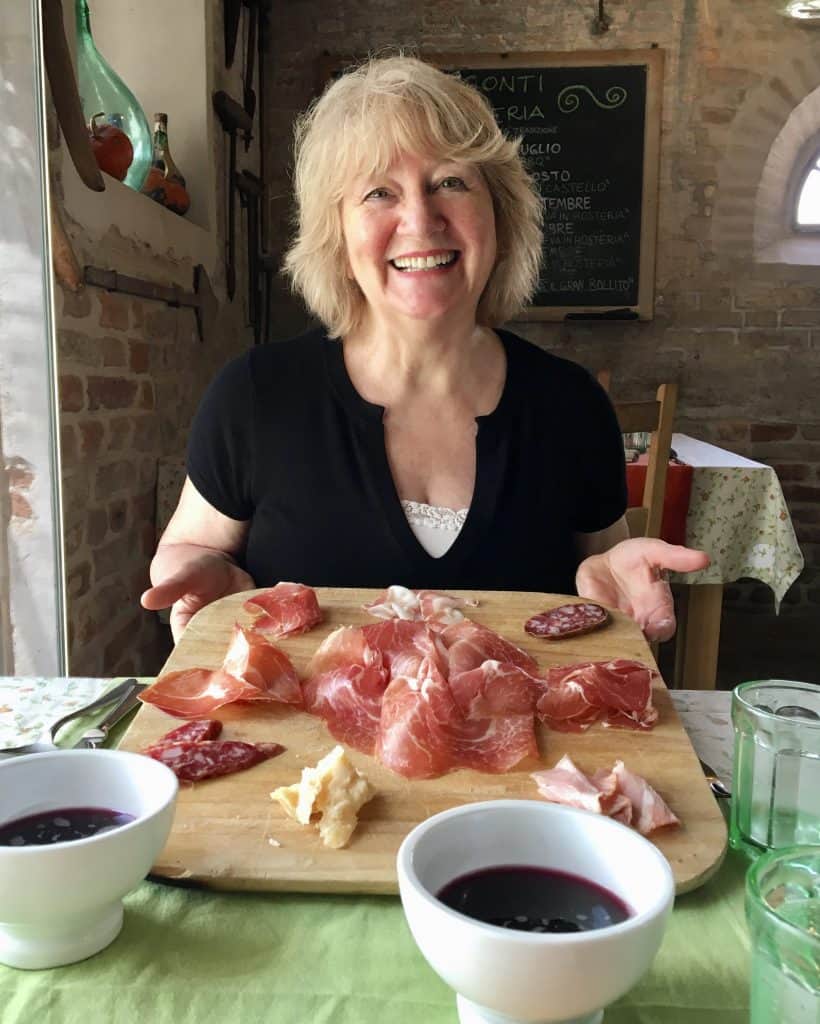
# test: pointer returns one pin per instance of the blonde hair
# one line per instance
(381, 108)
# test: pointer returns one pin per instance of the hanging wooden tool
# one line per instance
(233, 119)
(66, 95)
(248, 94)
(250, 193)
(231, 9)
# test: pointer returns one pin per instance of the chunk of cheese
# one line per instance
(334, 789)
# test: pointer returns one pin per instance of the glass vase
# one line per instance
(102, 90)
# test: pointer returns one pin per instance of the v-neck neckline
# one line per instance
(490, 457)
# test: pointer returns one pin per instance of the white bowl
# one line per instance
(63, 902)
(509, 976)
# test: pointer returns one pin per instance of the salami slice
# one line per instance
(193, 732)
(195, 761)
(567, 620)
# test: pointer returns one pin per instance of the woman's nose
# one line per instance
(421, 214)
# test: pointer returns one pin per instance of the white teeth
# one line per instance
(423, 262)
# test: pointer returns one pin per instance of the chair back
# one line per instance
(657, 418)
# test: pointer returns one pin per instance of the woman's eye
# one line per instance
(377, 193)
(451, 182)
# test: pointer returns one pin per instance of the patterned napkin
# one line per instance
(29, 705)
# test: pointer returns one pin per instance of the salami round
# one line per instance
(193, 732)
(567, 620)
(193, 762)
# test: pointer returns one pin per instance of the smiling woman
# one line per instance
(332, 458)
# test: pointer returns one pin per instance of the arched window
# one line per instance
(807, 197)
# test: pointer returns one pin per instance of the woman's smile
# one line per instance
(423, 262)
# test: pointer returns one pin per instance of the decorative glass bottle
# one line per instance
(164, 182)
(102, 89)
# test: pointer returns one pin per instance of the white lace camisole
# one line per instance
(435, 528)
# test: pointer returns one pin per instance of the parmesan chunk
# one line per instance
(335, 790)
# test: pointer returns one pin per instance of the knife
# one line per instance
(93, 738)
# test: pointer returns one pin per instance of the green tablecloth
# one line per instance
(188, 955)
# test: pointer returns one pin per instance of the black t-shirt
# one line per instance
(283, 439)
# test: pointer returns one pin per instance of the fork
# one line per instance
(47, 740)
(120, 692)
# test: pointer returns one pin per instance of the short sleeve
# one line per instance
(601, 495)
(221, 451)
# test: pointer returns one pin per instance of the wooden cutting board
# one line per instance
(229, 834)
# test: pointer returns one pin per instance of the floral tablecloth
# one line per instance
(29, 705)
(737, 513)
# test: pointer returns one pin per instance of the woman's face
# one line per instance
(420, 237)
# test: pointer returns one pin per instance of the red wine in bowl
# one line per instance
(532, 899)
(62, 825)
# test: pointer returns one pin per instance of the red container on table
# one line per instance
(676, 499)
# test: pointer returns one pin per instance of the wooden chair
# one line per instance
(657, 417)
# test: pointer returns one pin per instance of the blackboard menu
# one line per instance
(583, 140)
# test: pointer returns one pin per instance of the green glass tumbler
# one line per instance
(783, 913)
(776, 779)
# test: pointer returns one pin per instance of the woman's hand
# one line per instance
(631, 576)
(202, 579)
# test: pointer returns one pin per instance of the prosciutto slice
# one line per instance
(258, 661)
(196, 692)
(469, 645)
(254, 669)
(287, 609)
(494, 688)
(618, 691)
(649, 810)
(344, 685)
(430, 606)
(398, 640)
(567, 784)
(616, 792)
(424, 734)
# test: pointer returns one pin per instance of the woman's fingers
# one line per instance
(164, 594)
(674, 557)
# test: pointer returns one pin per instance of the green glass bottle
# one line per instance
(102, 89)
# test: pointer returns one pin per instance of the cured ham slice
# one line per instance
(616, 792)
(567, 784)
(625, 690)
(649, 810)
(196, 692)
(345, 683)
(253, 658)
(399, 641)
(423, 733)
(469, 645)
(494, 688)
(195, 761)
(617, 691)
(288, 609)
(430, 606)
(254, 669)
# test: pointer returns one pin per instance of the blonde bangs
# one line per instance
(359, 126)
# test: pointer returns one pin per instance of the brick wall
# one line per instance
(131, 373)
(742, 337)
